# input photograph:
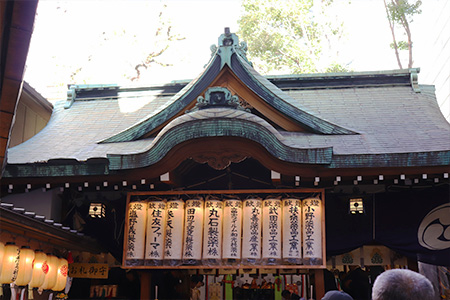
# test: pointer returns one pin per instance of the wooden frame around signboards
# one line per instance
(320, 193)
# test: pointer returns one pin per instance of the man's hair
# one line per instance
(402, 284)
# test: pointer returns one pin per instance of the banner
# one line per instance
(88, 270)
(413, 222)
(416, 225)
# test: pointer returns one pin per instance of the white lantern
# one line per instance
(251, 231)
(2, 252)
(154, 247)
(50, 277)
(312, 231)
(137, 223)
(61, 275)
(232, 231)
(40, 269)
(271, 232)
(173, 244)
(292, 231)
(212, 235)
(193, 231)
(26, 258)
(10, 263)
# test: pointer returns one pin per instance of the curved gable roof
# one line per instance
(232, 55)
(220, 122)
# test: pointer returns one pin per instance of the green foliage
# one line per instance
(401, 45)
(336, 68)
(400, 14)
(401, 9)
(287, 36)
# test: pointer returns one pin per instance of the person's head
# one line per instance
(286, 294)
(402, 284)
(196, 281)
(337, 295)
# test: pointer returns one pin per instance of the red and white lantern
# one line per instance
(61, 275)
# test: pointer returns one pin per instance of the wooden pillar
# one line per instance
(146, 282)
(319, 284)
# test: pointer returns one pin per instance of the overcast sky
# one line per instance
(67, 34)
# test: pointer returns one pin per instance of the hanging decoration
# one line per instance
(312, 231)
(251, 231)
(193, 231)
(61, 275)
(137, 223)
(51, 276)
(154, 246)
(271, 231)
(24, 273)
(10, 263)
(212, 236)
(173, 249)
(292, 231)
(232, 228)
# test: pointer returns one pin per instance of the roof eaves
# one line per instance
(347, 79)
(220, 127)
(385, 160)
(37, 224)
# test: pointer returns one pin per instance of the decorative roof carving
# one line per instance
(218, 97)
(229, 44)
(219, 160)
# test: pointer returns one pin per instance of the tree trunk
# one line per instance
(391, 25)
(405, 25)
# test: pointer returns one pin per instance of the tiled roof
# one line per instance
(389, 120)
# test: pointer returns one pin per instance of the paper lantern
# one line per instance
(61, 275)
(137, 223)
(251, 231)
(212, 235)
(2, 252)
(40, 269)
(292, 231)
(97, 210)
(193, 231)
(51, 276)
(271, 231)
(173, 245)
(154, 247)
(10, 263)
(26, 258)
(232, 231)
(312, 231)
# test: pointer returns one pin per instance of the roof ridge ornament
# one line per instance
(228, 44)
(218, 97)
(71, 96)
(414, 76)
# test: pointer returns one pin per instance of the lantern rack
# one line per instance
(299, 193)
